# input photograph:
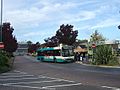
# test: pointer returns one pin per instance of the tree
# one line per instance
(37, 45)
(33, 47)
(10, 42)
(66, 35)
(51, 42)
(96, 37)
(29, 42)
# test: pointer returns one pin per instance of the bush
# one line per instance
(113, 61)
(4, 61)
(104, 56)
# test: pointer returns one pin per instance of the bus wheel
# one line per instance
(55, 60)
(42, 59)
(38, 58)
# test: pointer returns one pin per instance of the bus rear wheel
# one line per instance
(55, 60)
(42, 59)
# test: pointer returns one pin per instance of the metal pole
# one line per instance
(1, 19)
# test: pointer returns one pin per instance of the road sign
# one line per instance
(1, 45)
(93, 46)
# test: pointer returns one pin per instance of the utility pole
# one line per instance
(1, 20)
(1, 42)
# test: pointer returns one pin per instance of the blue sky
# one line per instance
(36, 20)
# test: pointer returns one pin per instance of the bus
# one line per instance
(62, 53)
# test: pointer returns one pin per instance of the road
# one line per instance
(29, 74)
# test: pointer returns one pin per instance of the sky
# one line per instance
(36, 20)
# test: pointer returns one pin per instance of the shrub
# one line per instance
(3, 61)
(104, 56)
(113, 61)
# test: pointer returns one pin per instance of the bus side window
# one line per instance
(39, 53)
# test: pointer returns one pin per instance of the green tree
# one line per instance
(10, 42)
(37, 44)
(96, 37)
(104, 56)
(29, 43)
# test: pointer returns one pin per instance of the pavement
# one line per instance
(105, 66)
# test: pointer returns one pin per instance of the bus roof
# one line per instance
(48, 48)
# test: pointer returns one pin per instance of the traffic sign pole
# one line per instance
(1, 20)
(94, 51)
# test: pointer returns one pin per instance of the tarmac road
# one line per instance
(29, 74)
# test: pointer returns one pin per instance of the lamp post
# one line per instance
(1, 19)
(1, 42)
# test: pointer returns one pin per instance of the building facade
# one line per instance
(22, 48)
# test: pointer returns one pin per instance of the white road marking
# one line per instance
(65, 85)
(33, 82)
(9, 73)
(19, 79)
(47, 87)
(22, 86)
(114, 88)
(15, 76)
(13, 73)
(20, 72)
(58, 79)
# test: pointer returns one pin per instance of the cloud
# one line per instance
(106, 23)
(81, 16)
(31, 34)
(28, 16)
(34, 15)
(44, 11)
(37, 34)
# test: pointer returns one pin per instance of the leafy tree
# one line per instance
(66, 35)
(29, 42)
(33, 47)
(96, 37)
(51, 42)
(37, 45)
(10, 42)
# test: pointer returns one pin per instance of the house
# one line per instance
(22, 48)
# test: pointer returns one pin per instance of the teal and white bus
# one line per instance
(56, 54)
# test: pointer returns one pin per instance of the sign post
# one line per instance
(1, 20)
(94, 51)
(1, 45)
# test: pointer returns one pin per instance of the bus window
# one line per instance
(40, 53)
(56, 53)
(67, 52)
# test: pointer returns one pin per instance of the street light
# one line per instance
(1, 19)
(1, 42)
